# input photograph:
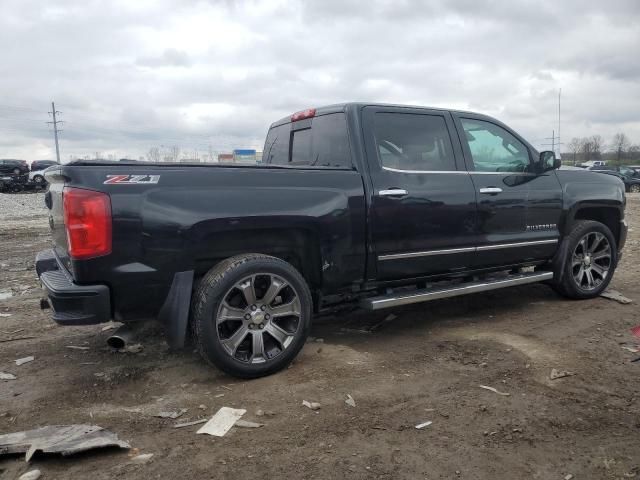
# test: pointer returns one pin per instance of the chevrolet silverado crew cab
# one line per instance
(376, 205)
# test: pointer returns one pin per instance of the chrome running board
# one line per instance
(425, 295)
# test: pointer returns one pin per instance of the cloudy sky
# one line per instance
(130, 75)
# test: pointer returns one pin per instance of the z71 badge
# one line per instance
(131, 179)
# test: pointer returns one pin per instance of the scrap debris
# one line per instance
(30, 475)
(247, 424)
(64, 439)
(15, 339)
(617, 296)
(22, 361)
(173, 415)
(631, 349)
(491, 389)
(135, 348)
(190, 424)
(420, 426)
(350, 401)
(636, 331)
(222, 421)
(143, 458)
(311, 405)
(76, 347)
(7, 376)
(555, 374)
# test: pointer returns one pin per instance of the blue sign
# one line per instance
(244, 152)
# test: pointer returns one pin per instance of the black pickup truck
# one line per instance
(376, 205)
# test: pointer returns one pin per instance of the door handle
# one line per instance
(393, 192)
(491, 190)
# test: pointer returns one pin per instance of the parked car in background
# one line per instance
(37, 170)
(629, 171)
(593, 163)
(626, 171)
(631, 184)
(13, 183)
(13, 167)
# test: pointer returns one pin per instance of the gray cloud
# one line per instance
(131, 75)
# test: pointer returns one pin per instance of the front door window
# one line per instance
(494, 149)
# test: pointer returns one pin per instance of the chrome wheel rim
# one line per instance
(258, 318)
(634, 188)
(591, 261)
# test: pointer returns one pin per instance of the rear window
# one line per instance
(323, 143)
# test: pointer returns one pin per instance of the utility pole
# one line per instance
(55, 128)
(559, 95)
(555, 141)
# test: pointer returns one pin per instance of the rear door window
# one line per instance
(413, 142)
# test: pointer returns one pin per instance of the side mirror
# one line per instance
(548, 161)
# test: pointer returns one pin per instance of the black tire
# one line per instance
(39, 179)
(635, 188)
(567, 284)
(215, 287)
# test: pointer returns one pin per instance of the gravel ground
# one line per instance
(21, 205)
(19, 211)
(426, 364)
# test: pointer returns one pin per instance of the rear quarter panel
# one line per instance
(197, 215)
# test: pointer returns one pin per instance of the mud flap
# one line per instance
(174, 313)
(559, 261)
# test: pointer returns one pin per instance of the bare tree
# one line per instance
(586, 147)
(596, 145)
(619, 145)
(574, 147)
(153, 155)
(174, 153)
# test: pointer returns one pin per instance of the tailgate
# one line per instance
(53, 201)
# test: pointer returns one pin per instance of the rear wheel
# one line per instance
(635, 188)
(39, 179)
(590, 263)
(251, 315)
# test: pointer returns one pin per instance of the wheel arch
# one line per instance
(298, 246)
(608, 215)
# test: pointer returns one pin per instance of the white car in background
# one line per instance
(593, 163)
(36, 175)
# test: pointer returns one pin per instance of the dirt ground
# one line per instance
(425, 365)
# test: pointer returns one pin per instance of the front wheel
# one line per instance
(251, 315)
(39, 179)
(635, 188)
(592, 257)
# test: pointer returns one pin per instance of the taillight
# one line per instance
(308, 113)
(87, 218)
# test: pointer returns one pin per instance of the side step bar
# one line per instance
(395, 300)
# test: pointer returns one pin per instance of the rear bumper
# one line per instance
(72, 304)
